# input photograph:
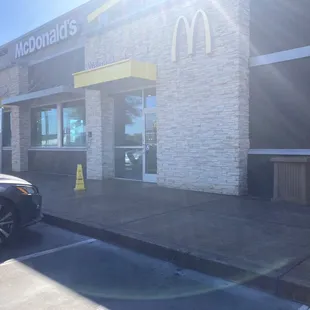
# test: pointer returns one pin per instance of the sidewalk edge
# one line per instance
(269, 283)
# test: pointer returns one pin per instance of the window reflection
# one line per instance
(74, 125)
(128, 163)
(150, 98)
(151, 143)
(151, 159)
(128, 119)
(44, 126)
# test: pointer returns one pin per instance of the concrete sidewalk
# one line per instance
(256, 243)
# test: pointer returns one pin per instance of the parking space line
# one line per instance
(47, 252)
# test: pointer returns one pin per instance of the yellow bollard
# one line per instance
(79, 183)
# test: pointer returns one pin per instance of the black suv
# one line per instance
(20, 205)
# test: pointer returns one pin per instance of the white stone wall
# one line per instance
(203, 111)
(13, 82)
(100, 146)
(21, 135)
(203, 134)
(94, 126)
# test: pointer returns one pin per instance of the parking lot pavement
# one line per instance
(51, 268)
(38, 238)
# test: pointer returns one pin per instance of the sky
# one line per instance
(20, 16)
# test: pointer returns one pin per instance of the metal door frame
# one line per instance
(146, 177)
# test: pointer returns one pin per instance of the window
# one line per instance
(44, 126)
(6, 129)
(74, 125)
(59, 125)
(150, 98)
(128, 119)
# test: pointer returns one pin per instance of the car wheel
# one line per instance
(8, 221)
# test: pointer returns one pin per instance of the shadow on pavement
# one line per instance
(119, 279)
(23, 240)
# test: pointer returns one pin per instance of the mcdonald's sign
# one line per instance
(190, 31)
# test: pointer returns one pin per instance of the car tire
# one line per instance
(8, 221)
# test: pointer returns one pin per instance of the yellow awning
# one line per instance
(116, 71)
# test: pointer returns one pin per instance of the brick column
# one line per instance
(20, 137)
(108, 137)
(94, 126)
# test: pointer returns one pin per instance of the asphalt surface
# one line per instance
(50, 268)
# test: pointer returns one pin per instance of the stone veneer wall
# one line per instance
(203, 136)
(13, 82)
(100, 146)
(94, 125)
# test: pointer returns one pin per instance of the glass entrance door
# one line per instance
(150, 137)
(136, 135)
(129, 128)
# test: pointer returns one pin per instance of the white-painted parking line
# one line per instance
(47, 252)
(304, 307)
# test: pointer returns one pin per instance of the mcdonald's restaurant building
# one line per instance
(158, 91)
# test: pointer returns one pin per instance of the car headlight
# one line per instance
(26, 190)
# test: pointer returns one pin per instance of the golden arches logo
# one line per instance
(190, 31)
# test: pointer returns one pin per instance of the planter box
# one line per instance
(291, 181)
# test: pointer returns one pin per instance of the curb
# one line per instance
(270, 282)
